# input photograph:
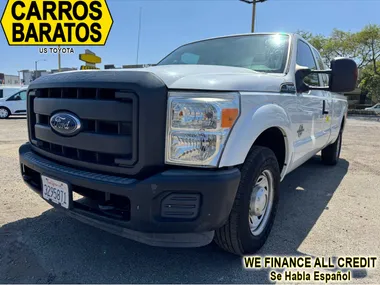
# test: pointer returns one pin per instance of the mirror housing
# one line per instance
(343, 76)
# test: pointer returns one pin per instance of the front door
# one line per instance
(21, 106)
(17, 103)
(311, 134)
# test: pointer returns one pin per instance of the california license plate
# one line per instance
(55, 191)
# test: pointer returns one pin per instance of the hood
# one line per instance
(198, 77)
(215, 77)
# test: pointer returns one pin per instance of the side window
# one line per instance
(1, 93)
(23, 95)
(15, 97)
(305, 58)
(325, 77)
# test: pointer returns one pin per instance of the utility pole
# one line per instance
(138, 38)
(35, 67)
(59, 59)
(253, 2)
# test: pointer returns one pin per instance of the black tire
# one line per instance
(5, 110)
(331, 153)
(235, 235)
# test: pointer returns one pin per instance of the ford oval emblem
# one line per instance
(65, 124)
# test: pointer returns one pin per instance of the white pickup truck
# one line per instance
(192, 149)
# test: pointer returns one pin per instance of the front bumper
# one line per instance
(179, 208)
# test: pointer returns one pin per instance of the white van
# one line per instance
(14, 104)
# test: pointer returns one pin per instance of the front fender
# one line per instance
(252, 123)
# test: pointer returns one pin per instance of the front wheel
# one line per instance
(254, 209)
(4, 113)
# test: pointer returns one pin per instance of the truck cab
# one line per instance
(191, 150)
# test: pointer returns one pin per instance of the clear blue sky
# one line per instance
(168, 24)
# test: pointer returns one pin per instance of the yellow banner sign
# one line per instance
(90, 58)
(56, 22)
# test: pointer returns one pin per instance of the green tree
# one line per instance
(369, 41)
(362, 46)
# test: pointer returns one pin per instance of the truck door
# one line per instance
(310, 136)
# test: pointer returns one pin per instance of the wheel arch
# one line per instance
(255, 129)
(276, 139)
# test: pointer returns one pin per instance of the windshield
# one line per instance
(264, 53)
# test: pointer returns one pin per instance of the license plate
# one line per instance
(55, 191)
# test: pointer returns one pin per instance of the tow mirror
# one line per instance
(343, 76)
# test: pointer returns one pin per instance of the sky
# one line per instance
(168, 24)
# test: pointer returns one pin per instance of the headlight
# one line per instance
(198, 125)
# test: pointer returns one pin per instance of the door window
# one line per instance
(324, 77)
(15, 97)
(305, 58)
(23, 95)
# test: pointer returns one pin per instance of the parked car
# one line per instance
(192, 149)
(13, 105)
(375, 108)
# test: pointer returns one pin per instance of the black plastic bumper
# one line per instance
(172, 208)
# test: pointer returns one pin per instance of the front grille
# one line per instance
(122, 114)
(109, 121)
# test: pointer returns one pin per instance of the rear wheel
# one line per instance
(331, 153)
(254, 209)
(4, 113)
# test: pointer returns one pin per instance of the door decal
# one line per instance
(300, 131)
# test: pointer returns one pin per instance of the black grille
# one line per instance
(109, 124)
(79, 93)
(123, 114)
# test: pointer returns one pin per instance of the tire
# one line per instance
(235, 235)
(331, 153)
(4, 113)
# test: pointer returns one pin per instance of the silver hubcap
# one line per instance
(261, 203)
(3, 113)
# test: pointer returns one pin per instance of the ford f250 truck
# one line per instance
(192, 149)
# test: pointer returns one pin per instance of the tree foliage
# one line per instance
(362, 46)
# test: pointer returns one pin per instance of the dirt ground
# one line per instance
(324, 211)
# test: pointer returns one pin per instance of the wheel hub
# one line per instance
(3, 113)
(259, 201)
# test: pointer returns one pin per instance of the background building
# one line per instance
(30, 75)
(13, 80)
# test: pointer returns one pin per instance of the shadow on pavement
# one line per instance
(53, 248)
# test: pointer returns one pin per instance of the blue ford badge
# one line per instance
(65, 124)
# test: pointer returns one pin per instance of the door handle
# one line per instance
(324, 112)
